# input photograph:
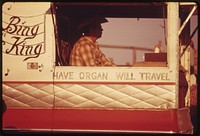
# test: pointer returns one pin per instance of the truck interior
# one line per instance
(70, 14)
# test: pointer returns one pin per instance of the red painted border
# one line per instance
(95, 119)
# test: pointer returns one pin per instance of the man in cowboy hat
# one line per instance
(86, 52)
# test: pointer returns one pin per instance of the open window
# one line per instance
(131, 36)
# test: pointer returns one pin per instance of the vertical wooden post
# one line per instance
(173, 43)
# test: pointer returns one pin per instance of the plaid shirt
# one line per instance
(87, 53)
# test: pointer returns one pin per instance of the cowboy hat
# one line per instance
(92, 21)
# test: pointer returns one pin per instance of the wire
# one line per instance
(56, 34)
(54, 95)
(164, 25)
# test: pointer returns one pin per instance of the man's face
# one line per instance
(97, 30)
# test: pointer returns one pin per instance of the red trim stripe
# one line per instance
(173, 120)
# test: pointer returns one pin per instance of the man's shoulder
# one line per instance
(83, 42)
